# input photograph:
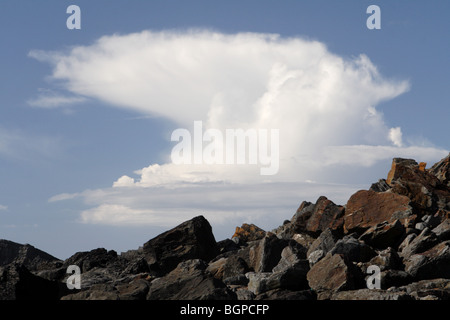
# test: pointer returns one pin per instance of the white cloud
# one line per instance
(324, 106)
(3, 208)
(54, 101)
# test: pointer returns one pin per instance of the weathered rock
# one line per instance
(425, 240)
(367, 208)
(353, 250)
(96, 292)
(283, 294)
(292, 255)
(394, 278)
(442, 231)
(315, 256)
(430, 264)
(384, 234)
(370, 294)
(380, 186)
(189, 281)
(18, 283)
(267, 254)
(441, 170)
(425, 190)
(248, 232)
(435, 289)
(24, 254)
(97, 258)
(334, 273)
(387, 259)
(325, 215)
(192, 239)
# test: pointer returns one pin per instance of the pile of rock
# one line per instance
(401, 225)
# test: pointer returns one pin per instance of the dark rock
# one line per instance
(387, 259)
(442, 231)
(227, 245)
(192, 239)
(97, 258)
(189, 281)
(353, 249)
(18, 283)
(384, 234)
(435, 289)
(425, 240)
(430, 264)
(370, 294)
(30, 257)
(267, 254)
(441, 170)
(380, 186)
(283, 294)
(394, 278)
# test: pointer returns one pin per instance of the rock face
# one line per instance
(400, 227)
(192, 239)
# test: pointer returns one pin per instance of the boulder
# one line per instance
(189, 281)
(442, 231)
(192, 239)
(441, 170)
(384, 234)
(430, 264)
(425, 240)
(267, 253)
(325, 215)
(367, 208)
(248, 232)
(334, 273)
(353, 249)
(387, 259)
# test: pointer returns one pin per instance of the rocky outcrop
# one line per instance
(399, 228)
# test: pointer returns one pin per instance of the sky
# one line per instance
(91, 118)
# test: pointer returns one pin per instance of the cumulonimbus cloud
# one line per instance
(324, 105)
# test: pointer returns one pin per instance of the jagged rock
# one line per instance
(315, 256)
(425, 190)
(227, 245)
(353, 249)
(380, 186)
(325, 215)
(97, 258)
(97, 292)
(283, 294)
(292, 255)
(435, 289)
(333, 273)
(248, 232)
(387, 259)
(192, 239)
(18, 283)
(394, 278)
(300, 218)
(367, 208)
(267, 254)
(425, 240)
(24, 254)
(370, 294)
(325, 242)
(189, 281)
(441, 170)
(430, 264)
(442, 231)
(384, 234)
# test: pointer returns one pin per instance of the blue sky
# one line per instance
(67, 135)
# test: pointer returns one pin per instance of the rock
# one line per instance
(267, 254)
(189, 281)
(248, 232)
(300, 218)
(369, 294)
(441, 170)
(387, 259)
(425, 190)
(442, 231)
(97, 258)
(367, 208)
(192, 239)
(135, 290)
(384, 234)
(333, 273)
(425, 240)
(380, 186)
(430, 264)
(353, 250)
(30, 257)
(325, 215)
(325, 242)
(394, 278)
(292, 255)
(227, 245)
(435, 289)
(315, 256)
(283, 294)
(18, 283)
(97, 292)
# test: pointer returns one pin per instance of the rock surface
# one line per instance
(400, 226)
